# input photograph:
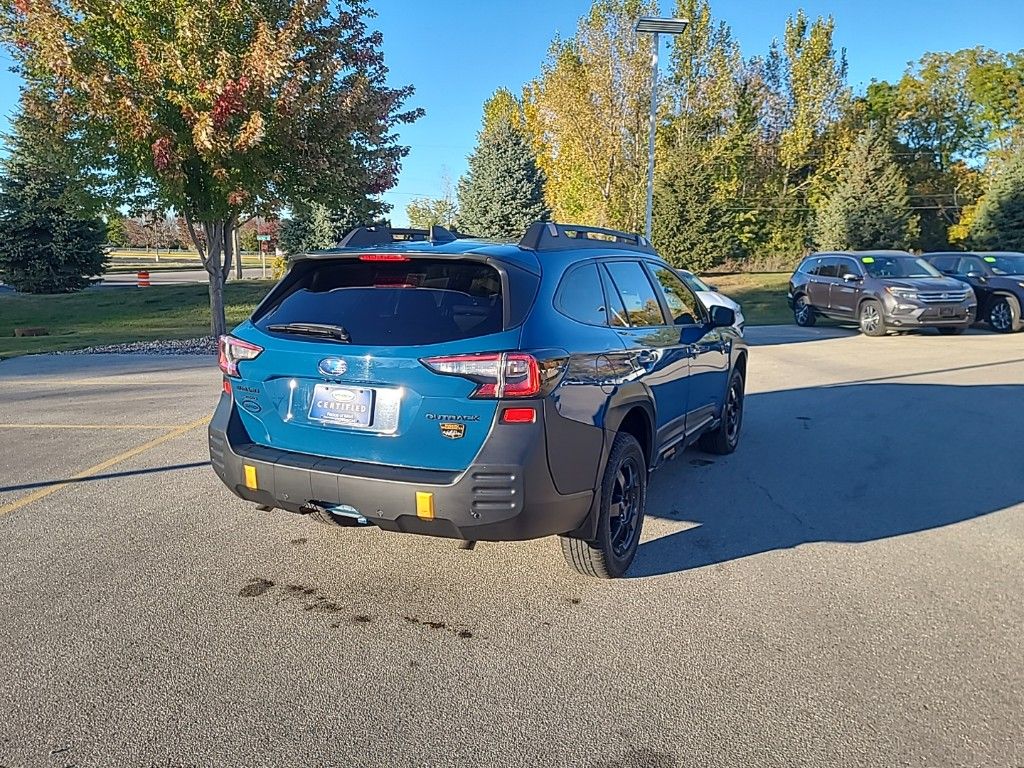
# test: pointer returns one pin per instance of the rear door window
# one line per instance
(581, 297)
(642, 306)
(390, 303)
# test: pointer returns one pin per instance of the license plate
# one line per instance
(947, 311)
(342, 406)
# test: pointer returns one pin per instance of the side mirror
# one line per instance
(950, 272)
(976, 275)
(713, 287)
(722, 317)
(851, 278)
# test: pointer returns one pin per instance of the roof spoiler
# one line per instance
(364, 237)
(551, 236)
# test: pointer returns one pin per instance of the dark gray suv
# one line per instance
(881, 291)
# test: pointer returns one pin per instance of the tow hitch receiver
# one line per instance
(342, 514)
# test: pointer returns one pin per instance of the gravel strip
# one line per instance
(205, 345)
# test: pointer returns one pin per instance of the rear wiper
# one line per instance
(336, 332)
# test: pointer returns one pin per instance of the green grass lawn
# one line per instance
(763, 295)
(116, 315)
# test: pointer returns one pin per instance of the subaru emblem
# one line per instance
(333, 366)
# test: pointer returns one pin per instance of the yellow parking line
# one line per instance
(95, 470)
(88, 426)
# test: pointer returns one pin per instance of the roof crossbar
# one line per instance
(551, 236)
(364, 237)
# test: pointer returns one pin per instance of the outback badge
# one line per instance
(453, 430)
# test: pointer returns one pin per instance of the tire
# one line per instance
(724, 439)
(951, 331)
(1004, 315)
(871, 318)
(623, 488)
(803, 312)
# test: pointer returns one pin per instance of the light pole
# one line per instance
(655, 26)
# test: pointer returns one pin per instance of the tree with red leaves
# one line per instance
(220, 109)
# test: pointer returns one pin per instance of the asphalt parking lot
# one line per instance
(844, 590)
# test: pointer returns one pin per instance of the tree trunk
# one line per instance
(211, 253)
(218, 321)
(238, 251)
(229, 249)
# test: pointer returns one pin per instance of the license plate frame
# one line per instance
(338, 405)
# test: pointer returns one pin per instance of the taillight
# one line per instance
(382, 257)
(496, 374)
(231, 351)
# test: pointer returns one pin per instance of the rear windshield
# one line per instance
(423, 301)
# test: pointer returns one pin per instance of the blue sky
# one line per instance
(457, 52)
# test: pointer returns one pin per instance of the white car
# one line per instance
(709, 297)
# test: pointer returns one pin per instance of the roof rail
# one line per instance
(363, 237)
(550, 236)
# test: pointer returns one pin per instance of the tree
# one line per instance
(502, 107)
(689, 220)
(588, 112)
(502, 192)
(53, 241)
(117, 230)
(213, 109)
(870, 205)
(425, 212)
(310, 228)
(999, 219)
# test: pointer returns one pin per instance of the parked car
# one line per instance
(880, 291)
(710, 297)
(997, 280)
(475, 390)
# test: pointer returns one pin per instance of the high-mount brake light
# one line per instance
(231, 351)
(383, 257)
(496, 374)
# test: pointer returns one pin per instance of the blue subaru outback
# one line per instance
(431, 384)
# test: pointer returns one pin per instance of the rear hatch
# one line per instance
(341, 374)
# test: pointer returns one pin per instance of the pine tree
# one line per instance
(870, 204)
(689, 223)
(502, 193)
(311, 227)
(53, 241)
(998, 223)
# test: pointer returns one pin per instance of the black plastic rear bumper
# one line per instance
(506, 494)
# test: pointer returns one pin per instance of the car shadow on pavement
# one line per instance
(849, 463)
(104, 476)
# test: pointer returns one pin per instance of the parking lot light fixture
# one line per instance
(652, 25)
